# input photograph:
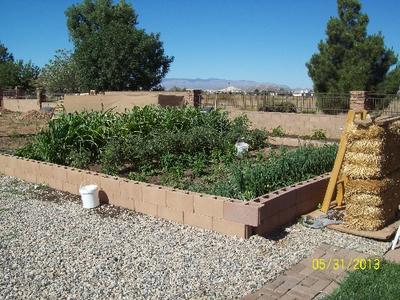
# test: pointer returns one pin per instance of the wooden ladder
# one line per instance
(336, 184)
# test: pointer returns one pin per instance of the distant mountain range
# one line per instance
(217, 84)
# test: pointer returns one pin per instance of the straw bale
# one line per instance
(373, 186)
(359, 166)
(383, 212)
(361, 172)
(373, 161)
(372, 164)
(365, 199)
(355, 132)
(368, 224)
(389, 198)
(394, 128)
(366, 146)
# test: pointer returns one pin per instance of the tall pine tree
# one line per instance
(349, 58)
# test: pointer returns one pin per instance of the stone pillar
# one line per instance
(193, 98)
(360, 100)
(18, 92)
(40, 96)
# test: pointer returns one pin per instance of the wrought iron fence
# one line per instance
(316, 103)
(385, 104)
(54, 96)
(18, 94)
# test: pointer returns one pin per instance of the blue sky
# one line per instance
(262, 40)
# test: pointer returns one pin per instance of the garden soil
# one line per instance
(14, 132)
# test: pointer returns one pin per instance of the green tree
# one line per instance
(110, 52)
(60, 75)
(5, 56)
(349, 58)
(8, 75)
(391, 84)
(27, 75)
(16, 73)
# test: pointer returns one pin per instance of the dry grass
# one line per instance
(15, 133)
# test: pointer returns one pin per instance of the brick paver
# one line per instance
(393, 255)
(306, 280)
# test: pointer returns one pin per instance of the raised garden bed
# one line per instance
(191, 152)
(179, 147)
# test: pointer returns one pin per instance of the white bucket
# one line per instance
(241, 148)
(89, 196)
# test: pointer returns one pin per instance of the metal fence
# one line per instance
(317, 103)
(385, 104)
(54, 96)
(20, 94)
(327, 103)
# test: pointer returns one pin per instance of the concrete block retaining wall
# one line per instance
(227, 216)
(21, 105)
(295, 124)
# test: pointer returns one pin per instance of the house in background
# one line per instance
(303, 93)
(231, 90)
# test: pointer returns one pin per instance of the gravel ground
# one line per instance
(51, 248)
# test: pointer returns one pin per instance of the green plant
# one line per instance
(181, 147)
(249, 178)
(278, 131)
(78, 159)
(319, 134)
(286, 107)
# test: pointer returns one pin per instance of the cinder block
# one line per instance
(60, 173)
(209, 206)
(268, 225)
(242, 212)
(123, 201)
(154, 194)
(14, 163)
(197, 220)
(110, 186)
(310, 193)
(55, 183)
(42, 173)
(91, 178)
(9, 171)
(31, 177)
(19, 166)
(229, 228)
(278, 201)
(179, 200)
(35, 171)
(170, 214)
(75, 176)
(70, 188)
(288, 215)
(3, 162)
(146, 208)
(131, 189)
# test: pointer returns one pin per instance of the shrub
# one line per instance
(139, 139)
(278, 131)
(286, 107)
(319, 134)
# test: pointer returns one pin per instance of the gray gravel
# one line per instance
(52, 248)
